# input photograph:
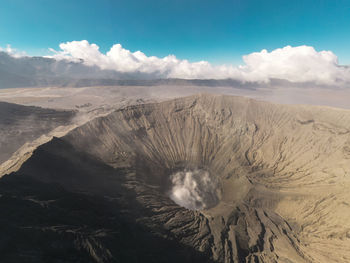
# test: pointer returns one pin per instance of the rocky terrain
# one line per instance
(114, 189)
(21, 124)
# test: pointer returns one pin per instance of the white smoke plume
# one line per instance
(295, 64)
(194, 190)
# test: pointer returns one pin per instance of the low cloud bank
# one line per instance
(194, 190)
(13, 52)
(295, 64)
(302, 64)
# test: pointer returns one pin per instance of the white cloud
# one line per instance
(295, 64)
(13, 52)
(123, 60)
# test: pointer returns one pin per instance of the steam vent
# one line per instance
(206, 178)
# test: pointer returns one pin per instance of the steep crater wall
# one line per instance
(262, 159)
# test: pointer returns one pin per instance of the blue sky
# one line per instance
(217, 31)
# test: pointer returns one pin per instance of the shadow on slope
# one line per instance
(59, 210)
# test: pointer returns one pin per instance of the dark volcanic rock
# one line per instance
(43, 222)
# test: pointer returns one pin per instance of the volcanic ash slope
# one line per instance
(23, 124)
(282, 175)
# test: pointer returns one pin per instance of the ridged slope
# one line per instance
(283, 172)
(20, 124)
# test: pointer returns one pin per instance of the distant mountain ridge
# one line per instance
(48, 72)
(41, 71)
